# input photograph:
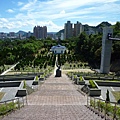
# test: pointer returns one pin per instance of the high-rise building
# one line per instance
(78, 28)
(68, 30)
(40, 32)
(12, 35)
(3, 35)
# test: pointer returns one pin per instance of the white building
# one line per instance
(58, 49)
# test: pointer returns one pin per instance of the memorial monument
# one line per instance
(106, 49)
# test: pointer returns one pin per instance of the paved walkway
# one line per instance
(56, 99)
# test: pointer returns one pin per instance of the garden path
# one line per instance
(56, 99)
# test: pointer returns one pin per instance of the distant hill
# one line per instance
(87, 27)
(59, 33)
(21, 32)
(104, 24)
(98, 27)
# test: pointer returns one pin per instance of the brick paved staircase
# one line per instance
(56, 99)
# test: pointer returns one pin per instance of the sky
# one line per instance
(23, 15)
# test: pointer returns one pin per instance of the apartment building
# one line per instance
(40, 32)
(78, 29)
(68, 30)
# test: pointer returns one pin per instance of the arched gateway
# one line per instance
(106, 49)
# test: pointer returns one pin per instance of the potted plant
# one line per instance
(24, 84)
(42, 77)
(93, 89)
(75, 79)
(36, 81)
(81, 81)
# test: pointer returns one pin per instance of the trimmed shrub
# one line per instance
(24, 84)
(92, 84)
(36, 79)
(81, 79)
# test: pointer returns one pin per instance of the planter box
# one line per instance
(91, 91)
(94, 91)
(81, 82)
(10, 84)
(41, 79)
(108, 83)
(35, 83)
(75, 80)
(21, 93)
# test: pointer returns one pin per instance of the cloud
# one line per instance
(3, 20)
(10, 11)
(62, 12)
(20, 3)
(23, 23)
(57, 9)
(52, 26)
(52, 12)
(5, 28)
(29, 5)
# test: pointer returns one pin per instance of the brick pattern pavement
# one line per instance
(56, 99)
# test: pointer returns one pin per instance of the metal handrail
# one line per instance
(11, 105)
(108, 110)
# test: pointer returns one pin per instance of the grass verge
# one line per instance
(1, 95)
(116, 94)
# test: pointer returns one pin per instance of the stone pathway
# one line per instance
(56, 99)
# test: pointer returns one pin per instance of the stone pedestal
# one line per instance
(58, 73)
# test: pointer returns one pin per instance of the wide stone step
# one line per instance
(56, 99)
(54, 112)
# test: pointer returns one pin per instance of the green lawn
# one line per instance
(1, 95)
(116, 95)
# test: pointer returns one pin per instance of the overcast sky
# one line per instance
(23, 15)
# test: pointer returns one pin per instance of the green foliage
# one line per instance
(106, 107)
(75, 76)
(35, 52)
(81, 79)
(1, 95)
(36, 78)
(102, 105)
(92, 103)
(42, 76)
(118, 112)
(7, 108)
(109, 108)
(92, 84)
(24, 84)
(116, 94)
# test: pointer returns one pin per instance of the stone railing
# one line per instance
(107, 110)
(11, 105)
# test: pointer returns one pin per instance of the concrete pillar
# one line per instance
(106, 50)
